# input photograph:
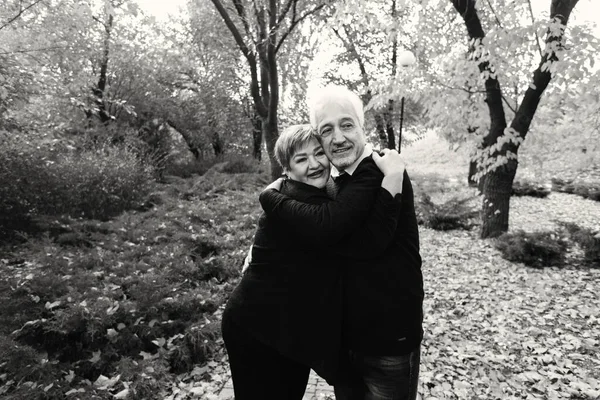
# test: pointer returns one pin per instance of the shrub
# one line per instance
(98, 184)
(455, 213)
(187, 168)
(587, 239)
(530, 189)
(93, 183)
(537, 249)
(238, 164)
(21, 169)
(585, 189)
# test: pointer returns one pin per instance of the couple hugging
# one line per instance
(334, 283)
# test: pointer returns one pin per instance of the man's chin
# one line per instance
(342, 163)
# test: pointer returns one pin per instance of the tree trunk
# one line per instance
(472, 171)
(257, 137)
(99, 90)
(496, 200)
(380, 127)
(217, 144)
(187, 137)
(271, 134)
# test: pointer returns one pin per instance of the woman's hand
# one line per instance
(392, 165)
(276, 185)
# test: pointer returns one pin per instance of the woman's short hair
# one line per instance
(290, 140)
(334, 94)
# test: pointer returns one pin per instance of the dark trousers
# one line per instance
(381, 377)
(259, 371)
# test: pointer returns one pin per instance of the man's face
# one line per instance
(342, 136)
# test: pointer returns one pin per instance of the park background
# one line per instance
(135, 137)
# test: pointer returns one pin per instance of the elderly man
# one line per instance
(383, 293)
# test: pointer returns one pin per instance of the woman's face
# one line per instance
(310, 165)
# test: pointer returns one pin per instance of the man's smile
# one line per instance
(341, 150)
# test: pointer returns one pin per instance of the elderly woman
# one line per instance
(284, 318)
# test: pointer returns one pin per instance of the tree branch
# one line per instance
(250, 57)
(495, 15)
(560, 10)
(537, 38)
(21, 11)
(295, 22)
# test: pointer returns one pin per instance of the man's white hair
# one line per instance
(334, 94)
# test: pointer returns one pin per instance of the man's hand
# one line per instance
(275, 185)
(392, 165)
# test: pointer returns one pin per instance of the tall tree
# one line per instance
(260, 28)
(498, 160)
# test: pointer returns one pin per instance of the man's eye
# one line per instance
(347, 126)
(325, 131)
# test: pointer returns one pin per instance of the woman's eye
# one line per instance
(300, 160)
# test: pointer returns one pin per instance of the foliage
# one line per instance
(536, 249)
(526, 188)
(587, 190)
(39, 179)
(587, 239)
(454, 213)
(122, 305)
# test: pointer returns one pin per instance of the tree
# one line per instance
(498, 159)
(260, 28)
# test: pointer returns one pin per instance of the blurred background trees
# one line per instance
(220, 78)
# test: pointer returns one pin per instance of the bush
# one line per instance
(587, 190)
(530, 189)
(587, 239)
(238, 165)
(455, 213)
(97, 184)
(92, 183)
(537, 249)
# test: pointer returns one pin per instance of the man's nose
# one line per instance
(337, 136)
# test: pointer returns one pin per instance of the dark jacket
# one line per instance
(383, 290)
(291, 295)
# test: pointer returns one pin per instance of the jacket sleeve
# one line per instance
(329, 223)
(375, 235)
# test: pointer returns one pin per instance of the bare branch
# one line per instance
(495, 15)
(234, 30)
(295, 22)
(537, 38)
(21, 11)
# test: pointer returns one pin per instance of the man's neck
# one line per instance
(352, 167)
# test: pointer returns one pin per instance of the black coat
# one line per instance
(383, 290)
(291, 295)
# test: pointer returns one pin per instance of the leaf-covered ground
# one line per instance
(493, 329)
(498, 330)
